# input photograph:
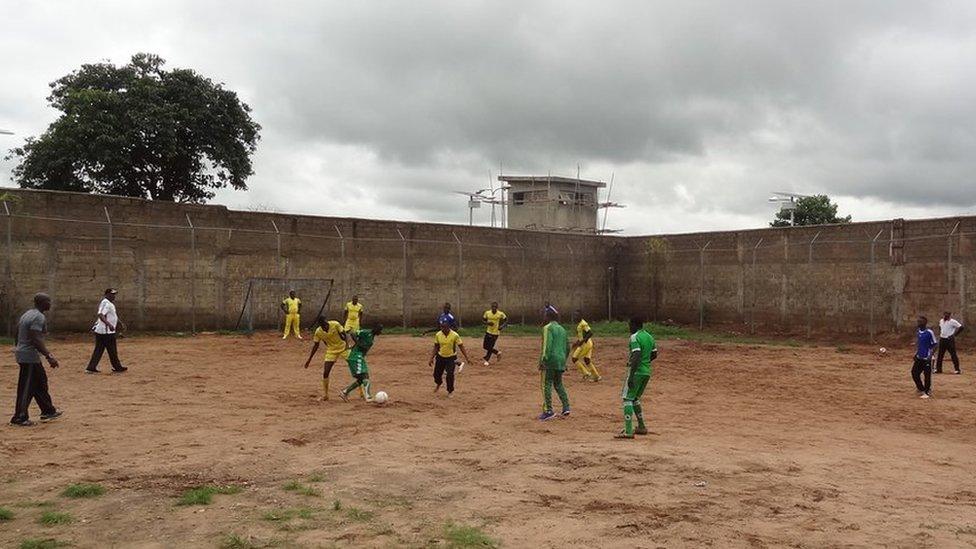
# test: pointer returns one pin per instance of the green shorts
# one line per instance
(634, 386)
(357, 364)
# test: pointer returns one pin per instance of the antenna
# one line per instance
(491, 188)
(607, 210)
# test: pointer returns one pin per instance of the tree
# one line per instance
(811, 210)
(139, 130)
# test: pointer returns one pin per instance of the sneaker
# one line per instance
(597, 379)
(623, 435)
(485, 363)
(640, 431)
(52, 416)
(92, 371)
(936, 371)
(565, 413)
(546, 416)
(121, 370)
(957, 372)
(25, 423)
(925, 395)
(343, 396)
(460, 367)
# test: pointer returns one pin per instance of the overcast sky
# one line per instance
(700, 109)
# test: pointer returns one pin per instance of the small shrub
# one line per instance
(48, 543)
(203, 495)
(6, 514)
(83, 490)
(463, 537)
(51, 518)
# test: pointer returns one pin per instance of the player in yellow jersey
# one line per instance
(331, 334)
(292, 307)
(352, 315)
(583, 350)
(495, 321)
(447, 343)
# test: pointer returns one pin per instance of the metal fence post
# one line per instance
(522, 274)
(193, 276)
(610, 274)
(342, 256)
(949, 260)
(111, 273)
(872, 290)
(281, 265)
(403, 282)
(810, 291)
(755, 290)
(460, 277)
(701, 288)
(10, 243)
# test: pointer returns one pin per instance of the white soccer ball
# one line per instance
(381, 397)
(882, 350)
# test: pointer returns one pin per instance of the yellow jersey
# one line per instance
(447, 344)
(292, 304)
(494, 321)
(581, 329)
(353, 311)
(332, 337)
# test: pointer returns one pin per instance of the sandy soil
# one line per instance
(750, 446)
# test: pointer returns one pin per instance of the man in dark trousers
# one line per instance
(32, 383)
(925, 343)
(106, 328)
(949, 328)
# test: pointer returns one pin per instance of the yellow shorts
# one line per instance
(332, 355)
(584, 351)
(351, 326)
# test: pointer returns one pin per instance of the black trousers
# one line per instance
(947, 344)
(922, 369)
(32, 385)
(489, 345)
(105, 342)
(445, 365)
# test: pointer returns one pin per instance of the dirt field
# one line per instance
(750, 446)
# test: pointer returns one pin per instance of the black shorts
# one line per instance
(489, 342)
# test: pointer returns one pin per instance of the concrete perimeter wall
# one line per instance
(856, 278)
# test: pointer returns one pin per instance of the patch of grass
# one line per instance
(49, 543)
(359, 515)
(336, 505)
(52, 518)
(203, 495)
(6, 514)
(83, 490)
(299, 488)
(316, 477)
(6, 341)
(233, 541)
(462, 537)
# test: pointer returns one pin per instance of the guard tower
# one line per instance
(552, 203)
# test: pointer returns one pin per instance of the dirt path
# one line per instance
(807, 447)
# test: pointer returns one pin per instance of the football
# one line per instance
(882, 350)
(381, 397)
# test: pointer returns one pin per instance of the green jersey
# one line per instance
(642, 343)
(554, 347)
(364, 341)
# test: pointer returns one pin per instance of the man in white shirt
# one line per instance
(106, 326)
(949, 329)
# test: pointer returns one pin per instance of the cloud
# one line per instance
(699, 109)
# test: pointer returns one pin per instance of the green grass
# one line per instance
(83, 490)
(6, 514)
(49, 543)
(359, 515)
(299, 488)
(203, 495)
(336, 505)
(51, 518)
(316, 477)
(6, 341)
(233, 541)
(463, 537)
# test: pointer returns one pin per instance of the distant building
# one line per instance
(552, 203)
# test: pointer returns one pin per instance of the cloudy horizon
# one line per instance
(699, 110)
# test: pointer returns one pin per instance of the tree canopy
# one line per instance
(140, 130)
(811, 210)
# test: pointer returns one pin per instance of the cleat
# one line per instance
(91, 371)
(640, 431)
(925, 395)
(121, 370)
(546, 416)
(623, 435)
(486, 363)
(957, 372)
(343, 396)
(565, 413)
(597, 379)
(52, 416)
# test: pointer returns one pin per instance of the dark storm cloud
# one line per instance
(706, 106)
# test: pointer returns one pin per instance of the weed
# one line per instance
(47, 543)
(83, 490)
(6, 514)
(203, 495)
(51, 518)
(462, 537)
(299, 488)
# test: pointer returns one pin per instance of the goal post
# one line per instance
(262, 297)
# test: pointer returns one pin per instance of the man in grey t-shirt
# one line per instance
(32, 383)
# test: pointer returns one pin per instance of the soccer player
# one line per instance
(447, 342)
(353, 315)
(549, 308)
(925, 343)
(445, 316)
(292, 307)
(949, 328)
(28, 349)
(330, 333)
(643, 350)
(495, 321)
(583, 350)
(362, 343)
(552, 364)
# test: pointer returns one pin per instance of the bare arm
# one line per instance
(433, 353)
(464, 352)
(105, 321)
(315, 347)
(37, 340)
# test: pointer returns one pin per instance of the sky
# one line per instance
(698, 110)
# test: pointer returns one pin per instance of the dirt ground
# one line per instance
(751, 446)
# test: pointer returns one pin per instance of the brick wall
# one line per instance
(170, 277)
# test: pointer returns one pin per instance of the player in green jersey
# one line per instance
(552, 364)
(643, 350)
(362, 343)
